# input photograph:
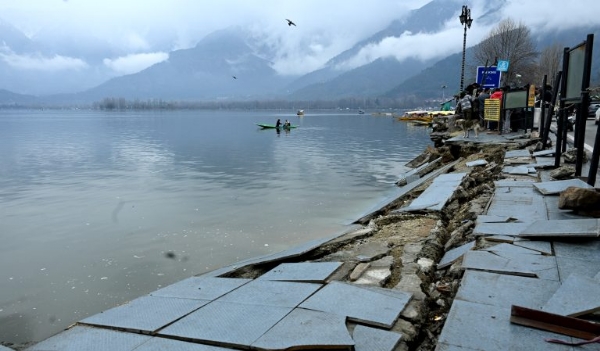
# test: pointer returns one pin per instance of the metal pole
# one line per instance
(462, 72)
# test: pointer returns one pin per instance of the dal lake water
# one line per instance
(98, 208)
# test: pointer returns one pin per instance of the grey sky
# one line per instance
(142, 32)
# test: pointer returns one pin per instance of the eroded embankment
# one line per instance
(404, 248)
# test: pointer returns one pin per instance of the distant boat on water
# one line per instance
(361, 112)
(300, 113)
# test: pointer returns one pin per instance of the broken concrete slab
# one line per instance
(522, 170)
(544, 153)
(505, 290)
(584, 267)
(437, 194)
(313, 272)
(517, 153)
(543, 267)
(377, 273)
(452, 255)
(201, 288)
(305, 329)
(513, 184)
(544, 163)
(227, 324)
(80, 338)
(544, 247)
(570, 228)
(348, 300)
(522, 201)
(372, 339)
(555, 187)
(372, 251)
(146, 314)
(155, 344)
(271, 293)
(583, 249)
(577, 296)
(286, 254)
(500, 239)
(510, 248)
(490, 330)
(503, 229)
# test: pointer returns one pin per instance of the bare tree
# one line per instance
(550, 63)
(512, 42)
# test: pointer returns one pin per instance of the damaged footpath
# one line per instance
(433, 269)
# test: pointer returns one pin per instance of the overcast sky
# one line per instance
(142, 32)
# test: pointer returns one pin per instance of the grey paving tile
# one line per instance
(517, 153)
(510, 229)
(522, 170)
(570, 265)
(505, 290)
(577, 296)
(571, 228)
(408, 188)
(543, 267)
(557, 186)
(544, 247)
(545, 162)
(201, 288)
(581, 249)
(271, 293)
(505, 247)
(306, 330)
(90, 339)
(557, 214)
(452, 255)
(525, 207)
(372, 339)
(163, 344)
(513, 184)
(438, 193)
(474, 326)
(315, 272)
(145, 314)
(501, 239)
(227, 324)
(349, 300)
(295, 251)
(544, 153)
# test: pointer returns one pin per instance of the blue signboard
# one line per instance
(488, 77)
(502, 65)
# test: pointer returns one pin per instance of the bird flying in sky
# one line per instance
(234, 77)
(290, 23)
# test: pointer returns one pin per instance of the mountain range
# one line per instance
(233, 64)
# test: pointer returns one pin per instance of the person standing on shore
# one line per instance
(484, 95)
(466, 108)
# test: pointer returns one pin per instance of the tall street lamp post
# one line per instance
(465, 20)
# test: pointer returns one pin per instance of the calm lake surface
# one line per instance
(98, 208)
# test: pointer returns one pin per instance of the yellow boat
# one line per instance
(422, 115)
(418, 115)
